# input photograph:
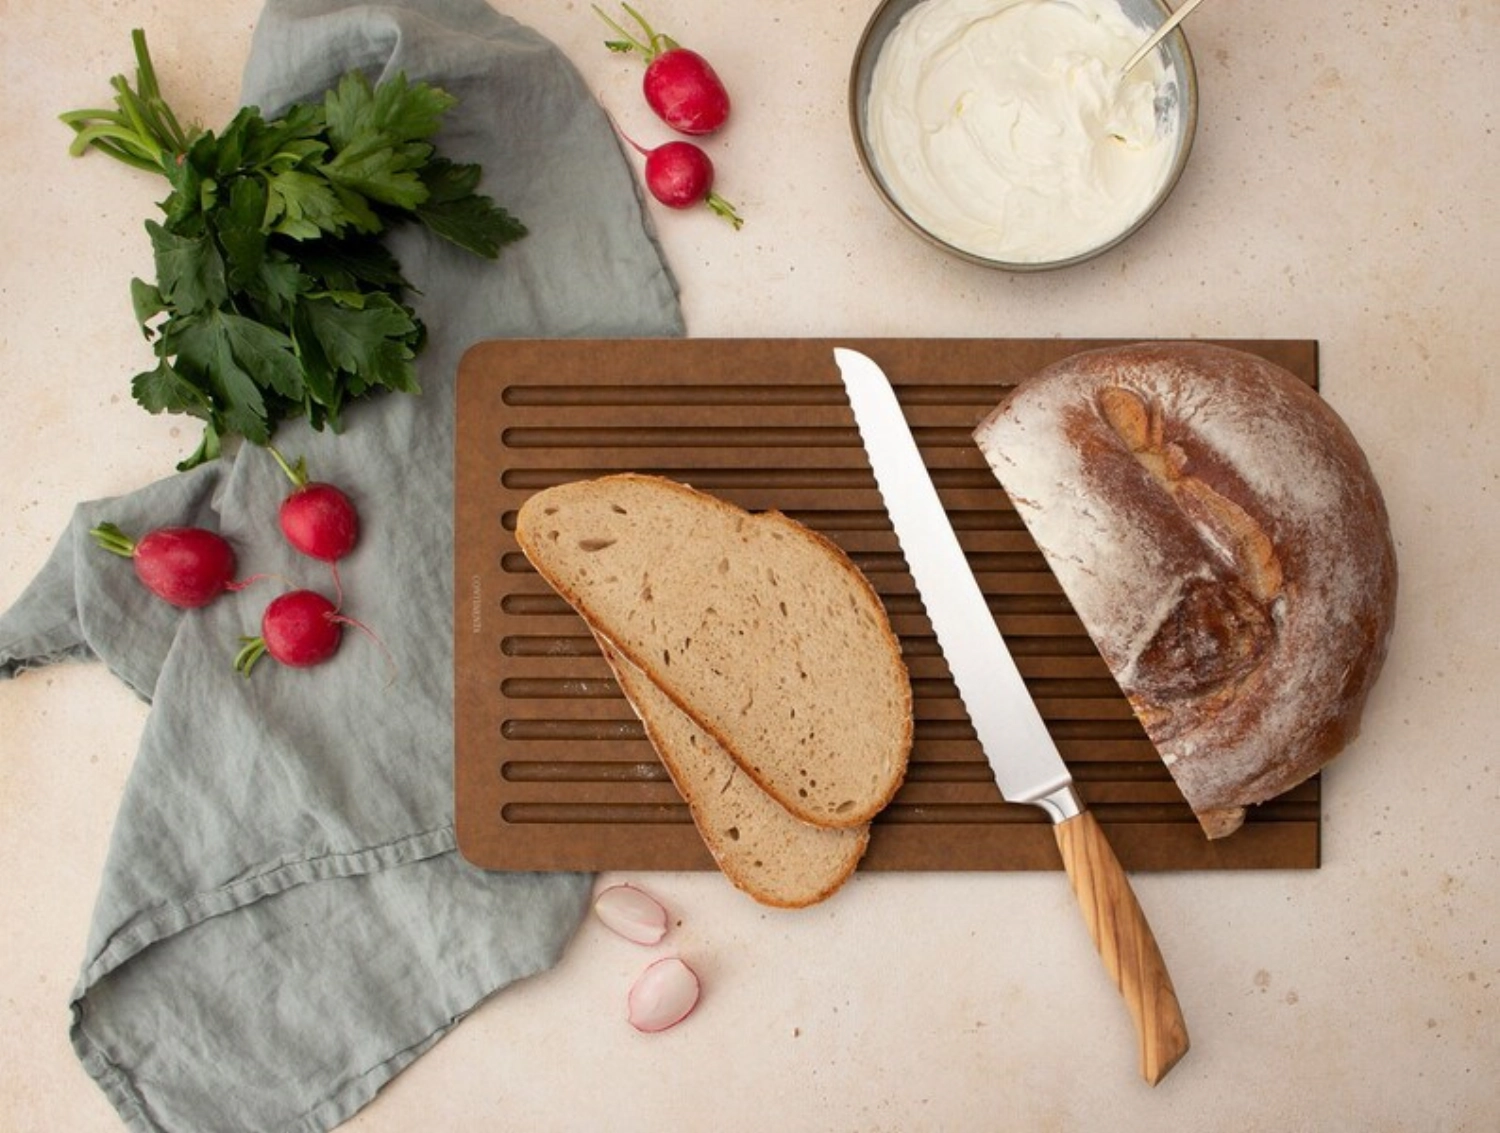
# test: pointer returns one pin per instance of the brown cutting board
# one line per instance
(552, 769)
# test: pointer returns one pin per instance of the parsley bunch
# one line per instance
(274, 295)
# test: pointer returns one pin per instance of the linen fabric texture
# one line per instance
(284, 921)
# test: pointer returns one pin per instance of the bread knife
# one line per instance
(1020, 750)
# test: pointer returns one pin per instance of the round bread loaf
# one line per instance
(1218, 530)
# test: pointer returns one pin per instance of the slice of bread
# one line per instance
(767, 853)
(761, 630)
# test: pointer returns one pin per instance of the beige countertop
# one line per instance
(1343, 188)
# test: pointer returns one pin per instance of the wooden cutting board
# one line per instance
(552, 769)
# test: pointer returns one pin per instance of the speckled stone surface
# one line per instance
(1342, 188)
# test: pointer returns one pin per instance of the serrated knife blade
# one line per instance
(1011, 731)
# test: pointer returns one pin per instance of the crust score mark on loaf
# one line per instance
(1218, 632)
(758, 630)
(1219, 532)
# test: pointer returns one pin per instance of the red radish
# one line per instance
(685, 92)
(679, 84)
(300, 628)
(186, 566)
(317, 518)
(680, 175)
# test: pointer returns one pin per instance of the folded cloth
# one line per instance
(284, 921)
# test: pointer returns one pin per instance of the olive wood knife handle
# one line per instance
(1125, 943)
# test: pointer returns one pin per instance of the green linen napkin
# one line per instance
(284, 922)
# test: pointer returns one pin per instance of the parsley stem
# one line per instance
(142, 131)
(119, 142)
(165, 123)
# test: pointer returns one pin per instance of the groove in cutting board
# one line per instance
(553, 770)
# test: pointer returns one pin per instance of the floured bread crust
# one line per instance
(1218, 530)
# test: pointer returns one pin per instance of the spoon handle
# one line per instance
(1160, 34)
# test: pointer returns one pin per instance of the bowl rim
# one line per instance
(867, 50)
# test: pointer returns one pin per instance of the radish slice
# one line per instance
(633, 913)
(664, 995)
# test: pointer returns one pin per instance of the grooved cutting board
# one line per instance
(552, 769)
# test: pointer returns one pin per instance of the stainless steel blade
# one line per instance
(1015, 740)
(1020, 751)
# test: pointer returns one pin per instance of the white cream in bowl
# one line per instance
(1005, 129)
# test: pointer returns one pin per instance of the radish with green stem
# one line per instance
(316, 518)
(186, 566)
(679, 85)
(680, 175)
(300, 628)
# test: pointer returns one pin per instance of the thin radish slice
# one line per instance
(633, 913)
(663, 996)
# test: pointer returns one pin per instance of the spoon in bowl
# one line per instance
(1160, 34)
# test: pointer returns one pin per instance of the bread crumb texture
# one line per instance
(759, 629)
(758, 844)
(1219, 532)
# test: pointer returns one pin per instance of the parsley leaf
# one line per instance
(164, 390)
(379, 137)
(396, 111)
(189, 269)
(366, 338)
(457, 213)
(274, 294)
(303, 206)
